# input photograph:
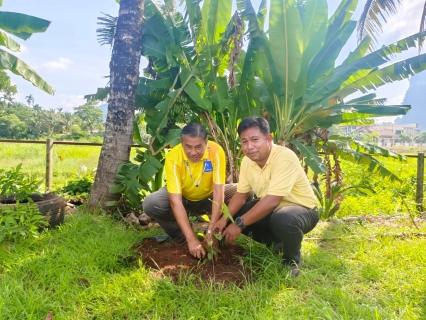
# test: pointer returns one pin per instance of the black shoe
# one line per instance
(295, 268)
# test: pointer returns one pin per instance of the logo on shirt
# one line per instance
(208, 166)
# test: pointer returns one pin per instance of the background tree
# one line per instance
(421, 138)
(403, 137)
(124, 78)
(12, 127)
(7, 90)
(91, 116)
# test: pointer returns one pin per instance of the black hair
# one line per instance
(193, 130)
(254, 122)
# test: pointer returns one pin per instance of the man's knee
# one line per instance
(285, 222)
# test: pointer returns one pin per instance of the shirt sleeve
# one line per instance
(219, 166)
(173, 172)
(283, 176)
(243, 185)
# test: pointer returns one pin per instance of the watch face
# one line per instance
(239, 222)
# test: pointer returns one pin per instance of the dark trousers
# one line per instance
(286, 225)
(157, 206)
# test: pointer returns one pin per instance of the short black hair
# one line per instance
(193, 130)
(254, 122)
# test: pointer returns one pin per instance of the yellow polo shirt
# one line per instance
(282, 175)
(210, 169)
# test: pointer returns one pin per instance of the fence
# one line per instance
(49, 164)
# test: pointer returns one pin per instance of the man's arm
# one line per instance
(180, 215)
(194, 245)
(265, 206)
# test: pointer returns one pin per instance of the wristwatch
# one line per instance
(240, 223)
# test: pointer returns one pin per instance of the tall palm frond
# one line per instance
(106, 32)
(422, 26)
(370, 23)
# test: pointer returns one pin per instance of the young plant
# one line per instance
(211, 247)
(17, 184)
(19, 219)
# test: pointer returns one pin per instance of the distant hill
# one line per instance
(416, 97)
(104, 108)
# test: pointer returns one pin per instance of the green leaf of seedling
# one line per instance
(210, 256)
(225, 211)
(218, 236)
(192, 218)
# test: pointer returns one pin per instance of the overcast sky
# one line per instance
(70, 59)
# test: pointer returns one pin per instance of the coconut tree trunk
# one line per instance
(124, 72)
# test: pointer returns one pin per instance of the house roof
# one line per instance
(386, 133)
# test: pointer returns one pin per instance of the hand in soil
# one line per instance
(231, 233)
(220, 225)
(196, 249)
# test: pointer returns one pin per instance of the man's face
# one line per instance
(256, 145)
(194, 148)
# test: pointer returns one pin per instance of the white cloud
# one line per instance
(23, 48)
(406, 22)
(58, 64)
(69, 102)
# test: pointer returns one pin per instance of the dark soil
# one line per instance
(174, 260)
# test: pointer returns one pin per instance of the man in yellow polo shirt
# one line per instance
(286, 206)
(195, 174)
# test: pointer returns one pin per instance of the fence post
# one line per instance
(49, 164)
(420, 180)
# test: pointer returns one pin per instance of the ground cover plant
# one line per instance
(86, 269)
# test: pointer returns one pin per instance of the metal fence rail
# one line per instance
(49, 163)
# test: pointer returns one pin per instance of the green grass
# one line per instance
(68, 160)
(390, 197)
(79, 271)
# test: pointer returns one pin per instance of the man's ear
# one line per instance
(269, 137)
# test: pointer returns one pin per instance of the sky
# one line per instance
(71, 60)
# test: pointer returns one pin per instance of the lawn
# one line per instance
(364, 269)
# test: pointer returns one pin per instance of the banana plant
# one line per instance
(21, 26)
(199, 70)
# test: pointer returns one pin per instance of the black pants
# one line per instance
(286, 225)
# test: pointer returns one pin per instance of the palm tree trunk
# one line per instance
(124, 71)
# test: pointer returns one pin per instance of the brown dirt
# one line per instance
(174, 260)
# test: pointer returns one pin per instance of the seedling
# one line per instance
(212, 250)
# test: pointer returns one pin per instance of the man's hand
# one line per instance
(219, 226)
(196, 249)
(231, 233)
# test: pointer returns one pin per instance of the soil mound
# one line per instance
(174, 260)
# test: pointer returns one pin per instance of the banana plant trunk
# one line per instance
(124, 78)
